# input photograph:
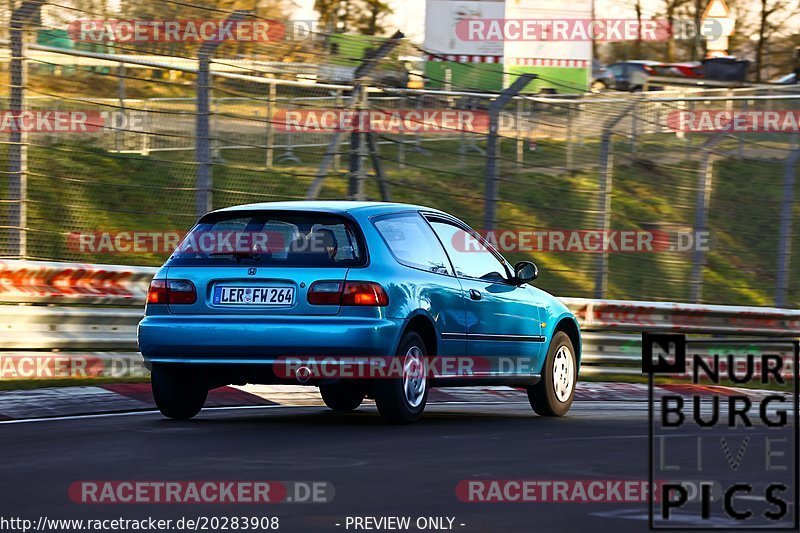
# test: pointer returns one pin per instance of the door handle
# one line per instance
(474, 294)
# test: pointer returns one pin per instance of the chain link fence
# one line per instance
(167, 142)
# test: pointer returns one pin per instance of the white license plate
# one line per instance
(231, 295)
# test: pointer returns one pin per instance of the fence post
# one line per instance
(604, 211)
(202, 139)
(745, 106)
(337, 158)
(401, 146)
(701, 224)
(606, 186)
(785, 232)
(146, 127)
(202, 135)
(493, 148)
(272, 102)
(520, 140)
(121, 95)
(570, 145)
(356, 176)
(634, 127)
(362, 72)
(18, 139)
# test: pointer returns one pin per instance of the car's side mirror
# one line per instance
(525, 272)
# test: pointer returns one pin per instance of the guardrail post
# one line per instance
(18, 139)
(493, 148)
(785, 232)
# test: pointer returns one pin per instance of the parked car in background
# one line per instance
(684, 70)
(726, 68)
(632, 76)
(786, 79)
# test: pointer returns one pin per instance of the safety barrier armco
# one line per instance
(110, 299)
(39, 282)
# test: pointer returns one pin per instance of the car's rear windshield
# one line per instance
(269, 238)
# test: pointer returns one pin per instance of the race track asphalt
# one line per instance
(376, 469)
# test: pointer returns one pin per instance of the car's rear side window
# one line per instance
(270, 238)
(413, 243)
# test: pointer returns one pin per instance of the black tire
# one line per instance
(341, 397)
(179, 393)
(543, 396)
(390, 394)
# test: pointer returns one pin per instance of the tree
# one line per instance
(637, 47)
(371, 22)
(328, 13)
(773, 15)
(672, 9)
(360, 16)
(697, 42)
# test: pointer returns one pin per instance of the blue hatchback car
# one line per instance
(261, 293)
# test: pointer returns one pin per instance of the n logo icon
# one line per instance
(663, 353)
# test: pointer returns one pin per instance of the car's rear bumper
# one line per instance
(241, 340)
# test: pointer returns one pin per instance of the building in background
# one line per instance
(564, 67)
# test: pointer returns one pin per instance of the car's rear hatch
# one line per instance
(262, 263)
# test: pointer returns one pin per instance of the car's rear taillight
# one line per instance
(174, 291)
(325, 293)
(180, 291)
(364, 293)
(347, 293)
(157, 293)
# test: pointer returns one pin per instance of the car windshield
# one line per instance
(271, 239)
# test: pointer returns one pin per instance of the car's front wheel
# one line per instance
(553, 395)
(341, 397)
(402, 399)
(179, 393)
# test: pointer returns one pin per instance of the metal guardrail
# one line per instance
(68, 328)
(610, 345)
(41, 282)
(628, 315)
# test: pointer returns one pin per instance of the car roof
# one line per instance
(331, 206)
